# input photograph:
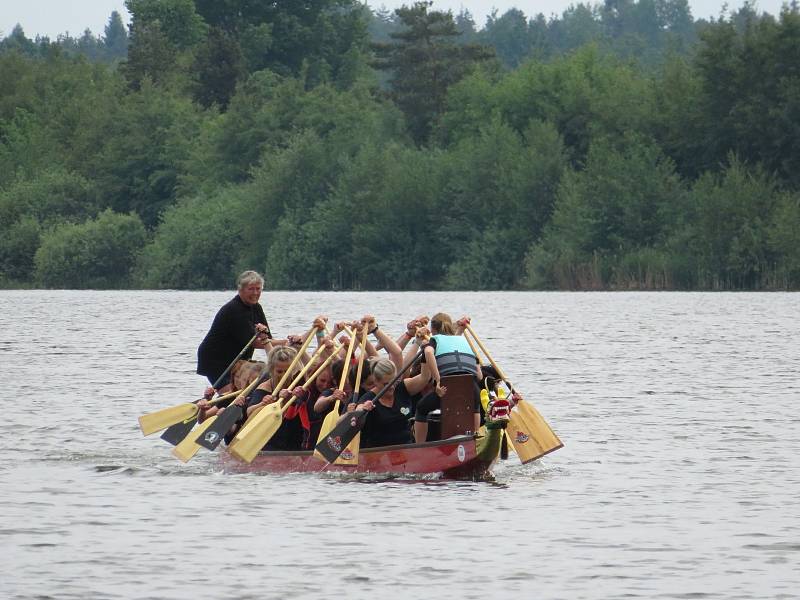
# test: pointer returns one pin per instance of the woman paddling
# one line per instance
(447, 353)
(389, 419)
(290, 435)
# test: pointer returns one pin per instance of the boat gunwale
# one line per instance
(457, 439)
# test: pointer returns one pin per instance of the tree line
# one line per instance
(619, 146)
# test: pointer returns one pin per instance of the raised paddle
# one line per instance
(485, 404)
(335, 442)
(332, 416)
(253, 423)
(180, 429)
(300, 354)
(349, 456)
(188, 446)
(212, 436)
(278, 387)
(160, 419)
(274, 416)
(268, 420)
(529, 433)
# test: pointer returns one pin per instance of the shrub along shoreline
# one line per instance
(202, 146)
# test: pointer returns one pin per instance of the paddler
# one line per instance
(290, 435)
(446, 353)
(389, 419)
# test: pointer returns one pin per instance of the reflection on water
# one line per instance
(678, 478)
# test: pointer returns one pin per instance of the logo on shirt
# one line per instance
(405, 410)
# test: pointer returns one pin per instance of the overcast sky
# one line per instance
(52, 17)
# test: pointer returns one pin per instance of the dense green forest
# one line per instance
(622, 145)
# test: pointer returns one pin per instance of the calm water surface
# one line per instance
(679, 478)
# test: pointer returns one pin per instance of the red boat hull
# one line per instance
(457, 457)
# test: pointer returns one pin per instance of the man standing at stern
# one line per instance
(234, 324)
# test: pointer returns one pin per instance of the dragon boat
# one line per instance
(458, 457)
(460, 454)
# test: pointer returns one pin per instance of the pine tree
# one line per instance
(115, 39)
(424, 61)
(219, 65)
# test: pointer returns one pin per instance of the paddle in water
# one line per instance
(333, 415)
(213, 436)
(175, 433)
(333, 444)
(259, 426)
(531, 436)
(349, 456)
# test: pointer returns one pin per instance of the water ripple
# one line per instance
(679, 476)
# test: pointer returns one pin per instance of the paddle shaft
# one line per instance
(345, 367)
(178, 431)
(497, 369)
(278, 388)
(313, 377)
(250, 424)
(213, 436)
(353, 445)
(296, 359)
(347, 429)
(234, 361)
(360, 369)
(399, 375)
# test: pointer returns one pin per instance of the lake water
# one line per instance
(679, 478)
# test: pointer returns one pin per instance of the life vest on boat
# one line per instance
(454, 355)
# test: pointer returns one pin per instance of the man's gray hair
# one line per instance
(249, 278)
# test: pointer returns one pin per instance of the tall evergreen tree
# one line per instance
(295, 35)
(89, 46)
(177, 19)
(219, 65)
(466, 27)
(424, 61)
(17, 40)
(115, 38)
(150, 54)
(508, 34)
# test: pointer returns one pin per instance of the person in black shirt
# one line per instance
(290, 435)
(389, 420)
(233, 326)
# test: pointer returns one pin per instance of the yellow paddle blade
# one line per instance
(188, 446)
(529, 433)
(349, 455)
(327, 424)
(248, 426)
(166, 417)
(264, 426)
(508, 439)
